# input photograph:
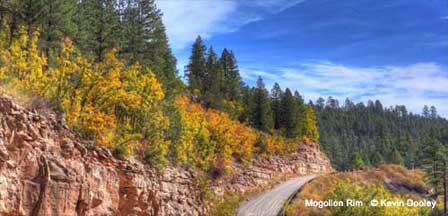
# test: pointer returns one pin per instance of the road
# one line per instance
(271, 202)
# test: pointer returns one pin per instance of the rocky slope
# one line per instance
(45, 169)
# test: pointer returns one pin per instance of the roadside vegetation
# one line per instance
(391, 182)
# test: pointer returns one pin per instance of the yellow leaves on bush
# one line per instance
(106, 101)
(193, 145)
(22, 64)
(210, 137)
(310, 125)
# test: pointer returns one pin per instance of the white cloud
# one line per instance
(413, 85)
(271, 6)
(185, 20)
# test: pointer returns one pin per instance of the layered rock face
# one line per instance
(46, 170)
(308, 160)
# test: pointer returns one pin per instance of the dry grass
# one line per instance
(396, 178)
(23, 98)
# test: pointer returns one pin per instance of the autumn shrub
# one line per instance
(123, 107)
(210, 138)
(114, 105)
(349, 190)
(363, 185)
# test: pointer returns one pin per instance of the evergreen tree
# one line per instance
(289, 114)
(300, 115)
(196, 70)
(320, 103)
(433, 112)
(261, 109)
(348, 104)
(396, 158)
(377, 159)
(247, 104)
(232, 83)
(434, 162)
(214, 78)
(98, 25)
(160, 57)
(356, 161)
(276, 97)
(57, 23)
(425, 111)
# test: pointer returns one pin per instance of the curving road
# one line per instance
(271, 202)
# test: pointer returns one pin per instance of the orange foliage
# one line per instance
(213, 137)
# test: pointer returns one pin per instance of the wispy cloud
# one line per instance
(413, 85)
(185, 20)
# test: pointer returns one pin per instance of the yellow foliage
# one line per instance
(210, 137)
(114, 105)
(23, 65)
(122, 107)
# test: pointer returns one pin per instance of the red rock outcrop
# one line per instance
(307, 160)
(45, 169)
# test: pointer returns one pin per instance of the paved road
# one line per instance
(270, 203)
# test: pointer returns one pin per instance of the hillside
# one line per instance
(47, 169)
(97, 119)
(379, 134)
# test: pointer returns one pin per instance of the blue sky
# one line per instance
(392, 50)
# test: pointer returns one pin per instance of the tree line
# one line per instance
(133, 27)
(215, 82)
(130, 99)
(359, 135)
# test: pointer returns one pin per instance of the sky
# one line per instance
(392, 50)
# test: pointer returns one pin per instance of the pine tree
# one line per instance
(435, 159)
(276, 97)
(377, 159)
(196, 70)
(214, 78)
(97, 25)
(396, 158)
(433, 112)
(356, 161)
(159, 54)
(56, 24)
(320, 103)
(425, 111)
(300, 115)
(261, 110)
(232, 83)
(288, 118)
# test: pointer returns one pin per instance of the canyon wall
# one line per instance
(45, 169)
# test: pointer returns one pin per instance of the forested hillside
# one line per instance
(107, 69)
(379, 134)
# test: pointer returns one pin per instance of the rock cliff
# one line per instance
(45, 169)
